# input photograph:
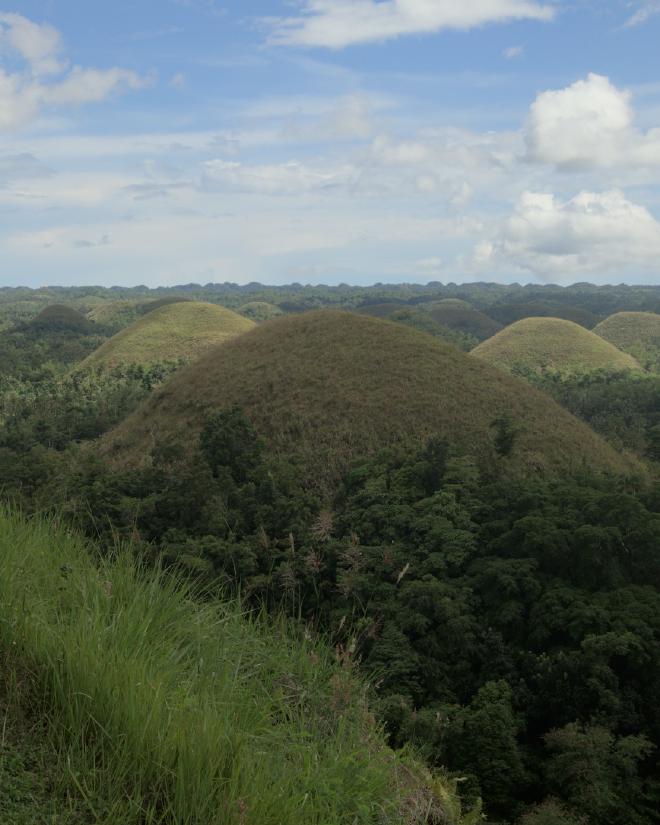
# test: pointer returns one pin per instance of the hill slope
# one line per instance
(165, 709)
(552, 344)
(330, 386)
(176, 330)
(635, 332)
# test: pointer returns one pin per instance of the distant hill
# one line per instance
(183, 329)
(464, 318)
(542, 344)
(635, 332)
(259, 311)
(327, 387)
(59, 316)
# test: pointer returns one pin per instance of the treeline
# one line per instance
(588, 302)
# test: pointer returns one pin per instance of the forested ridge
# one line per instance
(507, 624)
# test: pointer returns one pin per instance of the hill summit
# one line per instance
(60, 316)
(183, 329)
(327, 387)
(542, 344)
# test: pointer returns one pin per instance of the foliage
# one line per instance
(164, 709)
(489, 612)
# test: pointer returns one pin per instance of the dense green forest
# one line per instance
(503, 627)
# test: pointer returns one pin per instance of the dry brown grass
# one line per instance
(176, 330)
(552, 344)
(329, 386)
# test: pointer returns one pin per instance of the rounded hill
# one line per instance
(181, 330)
(464, 319)
(553, 344)
(327, 387)
(635, 332)
(60, 316)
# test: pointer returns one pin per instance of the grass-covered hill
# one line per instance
(59, 316)
(635, 332)
(464, 319)
(181, 330)
(328, 386)
(552, 344)
(125, 700)
(510, 313)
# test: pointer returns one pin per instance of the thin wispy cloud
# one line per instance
(335, 24)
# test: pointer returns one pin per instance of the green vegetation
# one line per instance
(327, 387)
(508, 626)
(551, 344)
(159, 708)
(259, 311)
(177, 330)
(635, 332)
(49, 344)
(115, 315)
(624, 407)
(326, 499)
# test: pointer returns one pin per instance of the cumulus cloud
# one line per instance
(38, 43)
(45, 79)
(588, 124)
(591, 233)
(336, 24)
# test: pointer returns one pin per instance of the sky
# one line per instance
(166, 142)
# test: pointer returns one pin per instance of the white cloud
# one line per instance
(588, 124)
(23, 94)
(39, 44)
(336, 24)
(92, 85)
(593, 232)
(512, 52)
(292, 178)
(648, 8)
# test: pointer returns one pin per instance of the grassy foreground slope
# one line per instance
(635, 332)
(552, 344)
(155, 708)
(176, 330)
(330, 386)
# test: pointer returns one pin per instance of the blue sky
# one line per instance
(327, 141)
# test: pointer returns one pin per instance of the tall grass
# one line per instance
(163, 709)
